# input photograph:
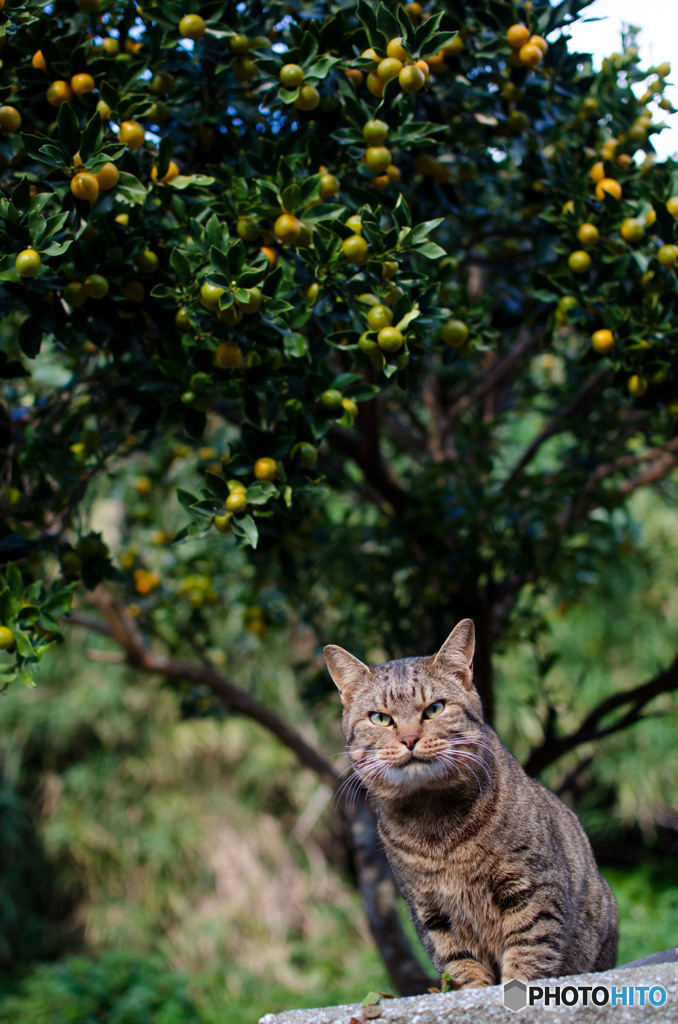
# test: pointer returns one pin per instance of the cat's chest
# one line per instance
(440, 872)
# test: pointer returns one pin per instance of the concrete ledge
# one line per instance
(486, 1005)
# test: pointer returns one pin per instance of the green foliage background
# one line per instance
(499, 478)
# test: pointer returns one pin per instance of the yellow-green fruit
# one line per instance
(637, 386)
(632, 230)
(85, 186)
(388, 68)
(6, 638)
(668, 256)
(379, 316)
(223, 523)
(329, 186)
(304, 454)
(396, 49)
(182, 319)
(108, 177)
(246, 228)
(10, 120)
(230, 316)
(238, 43)
(579, 261)
(253, 303)
(375, 132)
(291, 76)
(354, 249)
(210, 295)
(411, 78)
(74, 294)
(192, 26)
(236, 501)
(28, 263)
(672, 206)
(331, 398)
(131, 134)
(602, 341)
(517, 36)
(287, 228)
(228, 356)
(266, 469)
(390, 339)
(367, 344)
(455, 333)
(96, 286)
(147, 261)
(308, 98)
(377, 159)
(588, 234)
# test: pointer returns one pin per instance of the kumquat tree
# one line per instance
(353, 317)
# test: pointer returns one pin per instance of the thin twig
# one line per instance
(554, 747)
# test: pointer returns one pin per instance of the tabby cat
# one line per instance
(497, 871)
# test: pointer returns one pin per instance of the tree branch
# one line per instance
(661, 460)
(366, 454)
(557, 423)
(122, 627)
(374, 875)
(551, 749)
(496, 373)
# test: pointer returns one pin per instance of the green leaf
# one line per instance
(259, 493)
(69, 133)
(186, 499)
(131, 189)
(6, 605)
(371, 999)
(181, 266)
(183, 181)
(401, 212)
(295, 345)
(15, 580)
(92, 136)
(217, 486)
(23, 644)
(291, 197)
(164, 155)
(430, 250)
(247, 527)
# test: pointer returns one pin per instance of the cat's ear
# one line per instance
(456, 654)
(348, 672)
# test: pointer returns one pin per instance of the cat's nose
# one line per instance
(409, 741)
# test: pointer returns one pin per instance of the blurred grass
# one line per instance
(647, 897)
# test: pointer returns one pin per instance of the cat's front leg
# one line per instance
(529, 957)
(468, 972)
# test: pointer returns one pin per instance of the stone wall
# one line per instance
(486, 1005)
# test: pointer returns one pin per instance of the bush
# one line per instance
(118, 988)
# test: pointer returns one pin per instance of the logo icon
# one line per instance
(515, 995)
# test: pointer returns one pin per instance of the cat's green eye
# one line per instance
(433, 709)
(380, 718)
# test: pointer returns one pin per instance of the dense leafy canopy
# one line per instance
(355, 319)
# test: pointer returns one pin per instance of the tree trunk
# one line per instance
(380, 897)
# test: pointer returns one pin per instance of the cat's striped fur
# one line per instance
(497, 871)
